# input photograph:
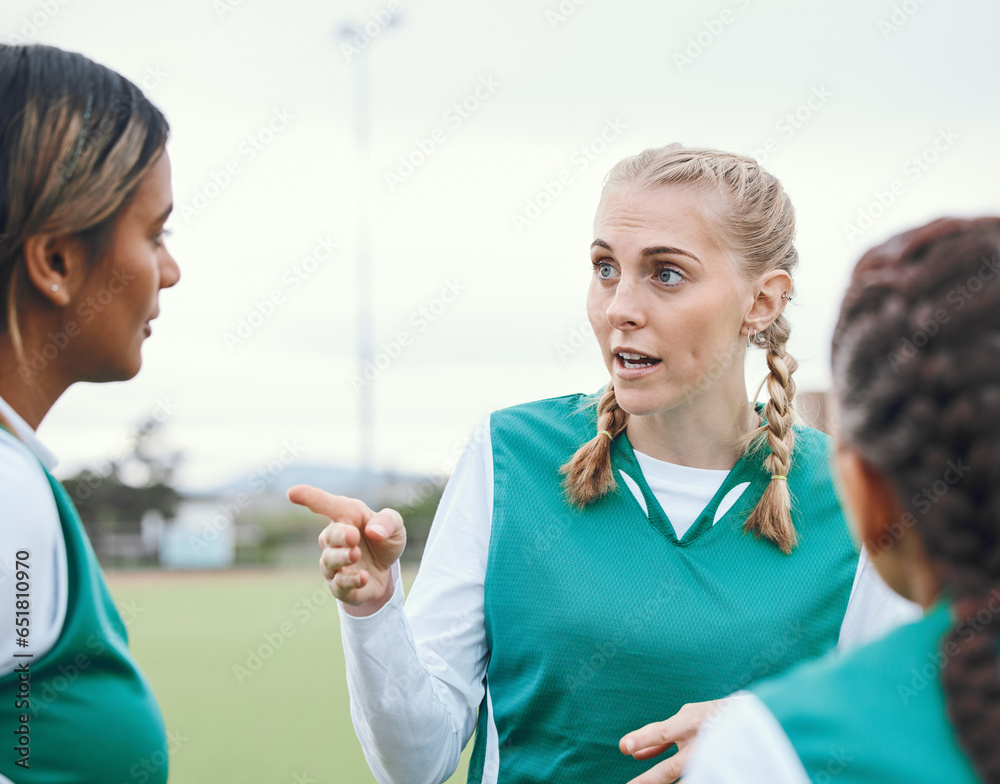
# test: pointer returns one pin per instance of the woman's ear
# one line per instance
(56, 266)
(768, 301)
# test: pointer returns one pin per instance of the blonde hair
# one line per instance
(76, 139)
(759, 229)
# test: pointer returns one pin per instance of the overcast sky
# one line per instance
(875, 115)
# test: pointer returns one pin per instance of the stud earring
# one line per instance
(54, 287)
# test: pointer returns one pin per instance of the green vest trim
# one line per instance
(747, 469)
(90, 714)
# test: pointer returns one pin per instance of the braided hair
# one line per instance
(916, 361)
(758, 227)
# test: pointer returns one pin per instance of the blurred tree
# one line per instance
(114, 496)
(418, 516)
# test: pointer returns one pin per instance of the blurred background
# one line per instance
(382, 217)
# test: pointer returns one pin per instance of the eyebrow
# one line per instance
(662, 249)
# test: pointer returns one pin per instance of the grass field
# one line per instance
(234, 718)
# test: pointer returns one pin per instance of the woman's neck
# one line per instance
(30, 391)
(703, 432)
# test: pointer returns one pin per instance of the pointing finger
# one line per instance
(336, 507)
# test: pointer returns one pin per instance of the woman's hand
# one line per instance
(359, 547)
(654, 739)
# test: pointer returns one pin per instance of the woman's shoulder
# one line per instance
(576, 406)
(20, 470)
(548, 422)
(811, 439)
(812, 454)
(27, 505)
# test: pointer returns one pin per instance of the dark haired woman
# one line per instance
(919, 462)
(84, 195)
(600, 563)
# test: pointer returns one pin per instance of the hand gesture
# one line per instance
(359, 547)
(654, 739)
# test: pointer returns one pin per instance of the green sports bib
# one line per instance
(876, 715)
(87, 712)
(600, 620)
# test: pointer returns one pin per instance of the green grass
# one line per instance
(288, 721)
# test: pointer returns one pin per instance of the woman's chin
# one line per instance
(636, 402)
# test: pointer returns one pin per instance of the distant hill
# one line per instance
(264, 485)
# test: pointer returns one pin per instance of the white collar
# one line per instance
(23, 431)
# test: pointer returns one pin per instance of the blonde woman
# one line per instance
(599, 563)
(84, 195)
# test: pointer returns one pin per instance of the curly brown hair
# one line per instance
(916, 361)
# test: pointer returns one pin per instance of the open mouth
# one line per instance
(637, 361)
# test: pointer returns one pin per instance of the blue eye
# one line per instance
(603, 270)
(664, 276)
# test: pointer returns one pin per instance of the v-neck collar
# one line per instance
(749, 468)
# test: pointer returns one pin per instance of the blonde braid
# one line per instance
(772, 517)
(588, 472)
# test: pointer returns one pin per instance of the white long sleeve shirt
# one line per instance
(417, 676)
(744, 743)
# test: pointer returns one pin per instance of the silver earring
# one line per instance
(784, 295)
(54, 287)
